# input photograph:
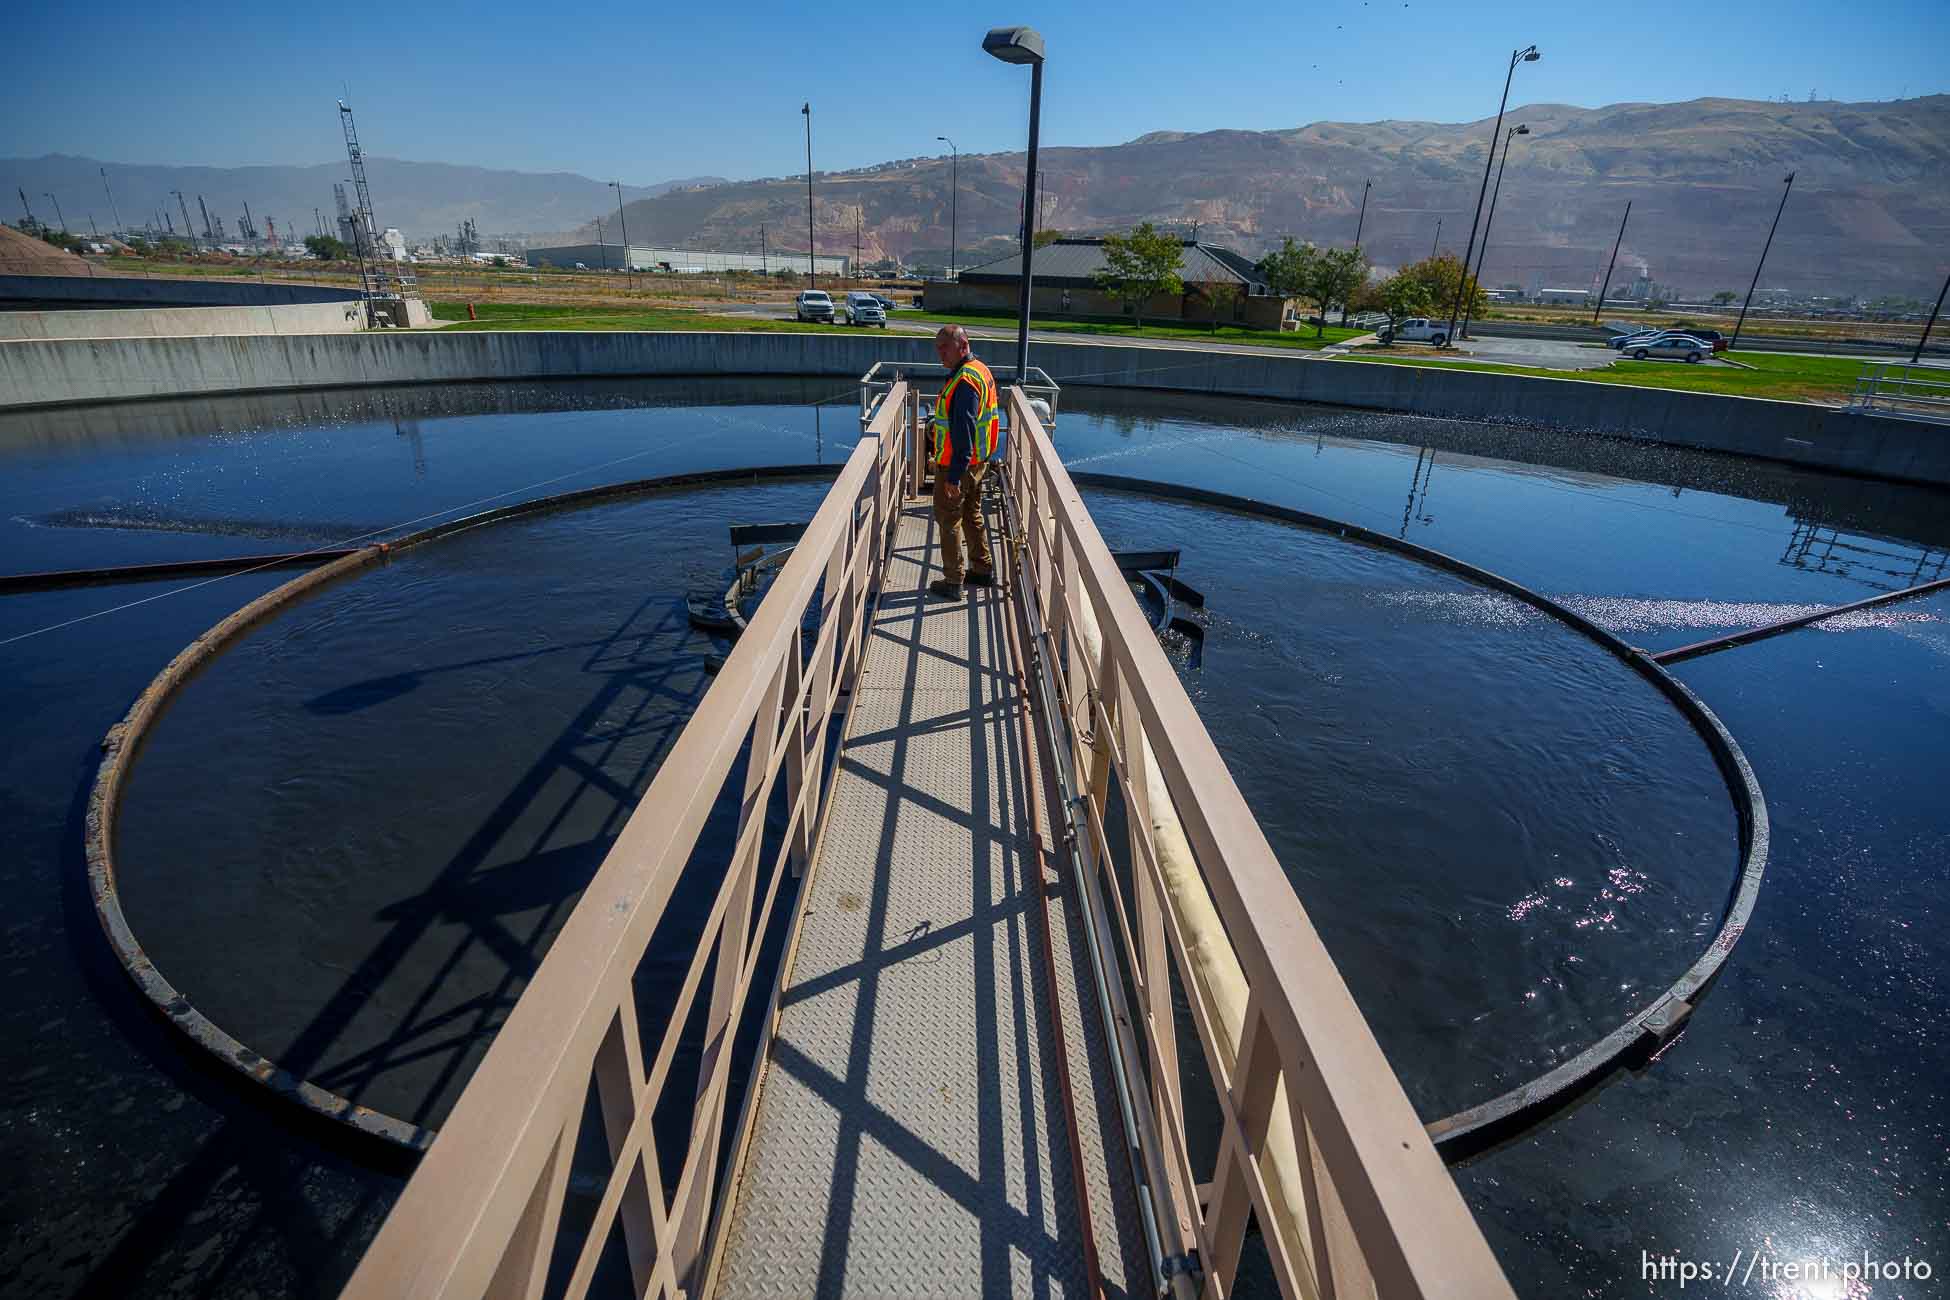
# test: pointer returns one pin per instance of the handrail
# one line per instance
(1319, 1140)
(1895, 387)
(480, 1216)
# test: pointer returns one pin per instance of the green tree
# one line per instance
(1044, 238)
(1725, 297)
(1398, 297)
(1440, 275)
(1141, 265)
(325, 248)
(1221, 299)
(1321, 276)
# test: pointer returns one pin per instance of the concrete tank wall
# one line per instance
(172, 322)
(69, 371)
(80, 291)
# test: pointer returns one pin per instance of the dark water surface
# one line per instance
(1430, 765)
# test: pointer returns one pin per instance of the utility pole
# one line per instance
(1437, 241)
(1917, 355)
(1600, 308)
(954, 197)
(1788, 183)
(111, 200)
(625, 223)
(812, 268)
(764, 257)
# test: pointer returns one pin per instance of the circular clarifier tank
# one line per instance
(1509, 839)
(352, 837)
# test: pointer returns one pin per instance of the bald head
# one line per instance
(951, 345)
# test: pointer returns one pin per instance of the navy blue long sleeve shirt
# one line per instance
(962, 409)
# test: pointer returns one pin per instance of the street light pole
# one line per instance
(1528, 54)
(1024, 45)
(57, 211)
(764, 258)
(1917, 355)
(954, 198)
(1437, 241)
(1598, 310)
(624, 222)
(1484, 253)
(1788, 184)
(812, 268)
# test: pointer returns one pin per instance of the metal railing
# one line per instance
(925, 379)
(1318, 1141)
(1912, 392)
(481, 1216)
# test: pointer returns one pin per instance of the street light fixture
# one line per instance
(954, 196)
(1529, 54)
(1483, 255)
(1024, 45)
(624, 222)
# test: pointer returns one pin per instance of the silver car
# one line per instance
(865, 309)
(1670, 347)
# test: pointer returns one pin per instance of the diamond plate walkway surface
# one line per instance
(912, 1135)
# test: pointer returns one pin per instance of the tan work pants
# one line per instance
(964, 519)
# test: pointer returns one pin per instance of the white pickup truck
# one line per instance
(1417, 329)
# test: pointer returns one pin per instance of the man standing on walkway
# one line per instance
(966, 421)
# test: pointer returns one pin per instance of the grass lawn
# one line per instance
(1789, 378)
(1304, 340)
(523, 316)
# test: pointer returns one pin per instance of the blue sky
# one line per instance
(648, 93)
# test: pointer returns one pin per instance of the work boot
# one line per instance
(975, 579)
(945, 589)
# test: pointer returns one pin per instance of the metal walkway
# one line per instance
(912, 1133)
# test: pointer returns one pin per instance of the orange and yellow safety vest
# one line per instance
(988, 416)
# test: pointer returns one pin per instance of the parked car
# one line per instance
(1671, 347)
(865, 309)
(813, 305)
(886, 303)
(1626, 342)
(1417, 329)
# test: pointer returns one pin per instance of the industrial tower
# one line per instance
(382, 277)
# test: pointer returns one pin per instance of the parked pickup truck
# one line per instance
(1417, 329)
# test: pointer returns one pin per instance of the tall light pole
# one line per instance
(1024, 45)
(1484, 253)
(624, 222)
(1528, 54)
(57, 211)
(1437, 241)
(1360, 224)
(1598, 310)
(764, 257)
(111, 199)
(602, 243)
(1917, 355)
(954, 197)
(812, 268)
(1788, 188)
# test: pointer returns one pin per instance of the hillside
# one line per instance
(1869, 210)
(422, 199)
